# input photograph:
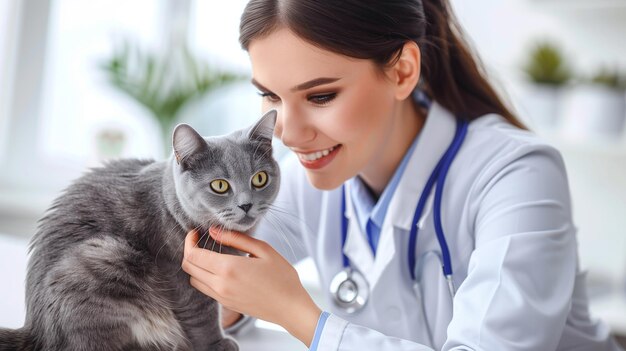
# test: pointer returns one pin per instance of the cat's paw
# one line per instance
(226, 344)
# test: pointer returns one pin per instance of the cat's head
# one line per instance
(229, 180)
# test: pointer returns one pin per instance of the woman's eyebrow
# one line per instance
(304, 86)
(258, 85)
(313, 83)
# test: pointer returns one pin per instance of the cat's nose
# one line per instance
(245, 207)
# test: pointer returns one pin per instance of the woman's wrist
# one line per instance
(229, 317)
(303, 322)
(241, 326)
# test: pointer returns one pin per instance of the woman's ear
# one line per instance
(406, 70)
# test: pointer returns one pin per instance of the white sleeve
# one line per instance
(337, 334)
(520, 279)
(518, 290)
(282, 226)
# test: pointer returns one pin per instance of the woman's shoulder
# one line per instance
(494, 147)
(494, 137)
(496, 127)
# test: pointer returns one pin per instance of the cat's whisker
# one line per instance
(160, 248)
(220, 238)
(196, 228)
(205, 234)
(289, 216)
(278, 227)
(274, 207)
(167, 239)
(219, 225)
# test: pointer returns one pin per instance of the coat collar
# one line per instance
(435, 137)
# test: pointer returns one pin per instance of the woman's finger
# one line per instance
(194, 253)
(191, 239)
(198, 272)
(241, 241)
(200, 258)
(207, 260)
(205, 289)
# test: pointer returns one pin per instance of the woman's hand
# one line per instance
(263, 285)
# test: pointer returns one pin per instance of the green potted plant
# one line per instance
(547, 71)
(596, 106)
(546, 65)
(162, 82)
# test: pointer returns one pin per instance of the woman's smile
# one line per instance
(318, 159)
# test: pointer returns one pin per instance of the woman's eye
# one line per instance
(322, 99)
(271, 97)
(259, 180)
(220, 186)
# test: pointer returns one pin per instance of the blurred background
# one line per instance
(86, 81)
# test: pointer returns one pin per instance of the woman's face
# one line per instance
(336, 113)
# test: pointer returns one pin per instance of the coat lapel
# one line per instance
(435, 137)
(356, 248)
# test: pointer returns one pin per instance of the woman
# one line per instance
(372, 96)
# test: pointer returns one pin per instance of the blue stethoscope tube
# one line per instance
(437, 179)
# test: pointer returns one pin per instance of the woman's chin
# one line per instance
(324, 183)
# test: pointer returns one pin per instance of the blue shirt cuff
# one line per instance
(318, 330)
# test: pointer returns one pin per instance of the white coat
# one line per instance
(507, 220)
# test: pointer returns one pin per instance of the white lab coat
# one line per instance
(507, 219)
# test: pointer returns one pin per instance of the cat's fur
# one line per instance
(105, 264)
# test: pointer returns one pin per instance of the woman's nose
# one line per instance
(292, 128)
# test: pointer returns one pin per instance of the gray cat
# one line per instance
(105, 264)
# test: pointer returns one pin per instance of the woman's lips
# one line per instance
(318, 159)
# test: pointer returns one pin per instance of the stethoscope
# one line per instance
(349, 287)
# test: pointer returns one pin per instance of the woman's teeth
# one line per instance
(315, 155)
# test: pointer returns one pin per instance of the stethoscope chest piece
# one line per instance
(350, 290)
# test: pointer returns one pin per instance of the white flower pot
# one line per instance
(594, 112)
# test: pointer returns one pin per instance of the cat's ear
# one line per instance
(186, 142)
(264, 128)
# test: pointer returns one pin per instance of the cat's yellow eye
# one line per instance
(259, 180)
(220, 186)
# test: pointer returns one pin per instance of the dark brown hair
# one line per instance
(377, 30)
